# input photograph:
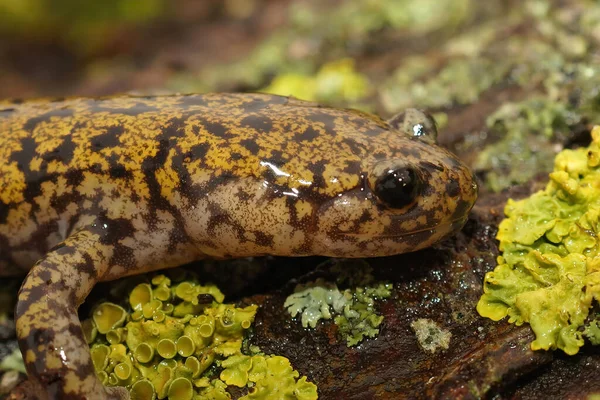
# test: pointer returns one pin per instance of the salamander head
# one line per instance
(287, 177)
(410, 195)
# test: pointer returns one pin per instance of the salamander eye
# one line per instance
(398, 188)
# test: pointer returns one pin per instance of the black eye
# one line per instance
(398, 188)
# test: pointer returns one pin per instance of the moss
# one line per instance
(549, 271)
(430, 335)
(353, 309)
(178, 340)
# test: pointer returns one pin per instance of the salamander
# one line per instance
(97, 189)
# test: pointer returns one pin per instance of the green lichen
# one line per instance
(177, 340)
(353, 309)
(461, 81)
(430, 335)
(562, 79)
(318, 32)
(554, 71)
(527, 129)
(549, 271)
(592, 332)
(13, 362)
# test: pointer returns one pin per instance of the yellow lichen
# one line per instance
(335, 80)
(549, 271)
(178, 339)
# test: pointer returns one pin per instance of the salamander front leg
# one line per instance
(51, 339)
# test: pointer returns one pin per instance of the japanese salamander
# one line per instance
(97, 189)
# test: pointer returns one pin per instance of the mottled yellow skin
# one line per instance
(97, 189)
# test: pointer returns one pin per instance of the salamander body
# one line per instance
(98, 189)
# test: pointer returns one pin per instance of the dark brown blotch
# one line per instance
(259, 102)
(74, 177)
(356, 148)
(118, 171)
(186, 186)
(83, 370)
(259, 122)
(136, 110)
(175, 127)
(380, 155)
(216, 181)
(34, 178)
(277, 158)
(462, 209)
(323, 116)
(242, 195)
(198, 152)
(218, 216)
(453, 162)
(123, 256)
(109, 139)
(177, 236)
(33, 122)
(263, 239)
(427, 165)
(317, 167)
(452, 188)
(410, 151)
(251, 146)
(217, 129)
(87, 266)
(60, 203)
(4, 209)
(352, 167)
(365, 217)
(63, 153)
(308, 135)
(115, 229)
(193, 100)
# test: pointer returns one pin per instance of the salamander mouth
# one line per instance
(449, 226)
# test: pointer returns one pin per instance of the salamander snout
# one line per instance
(409, 200)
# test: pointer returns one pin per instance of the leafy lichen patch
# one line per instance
(353, 309)
(549, 271)
(177, 340)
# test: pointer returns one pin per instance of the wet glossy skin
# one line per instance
(94, 190)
